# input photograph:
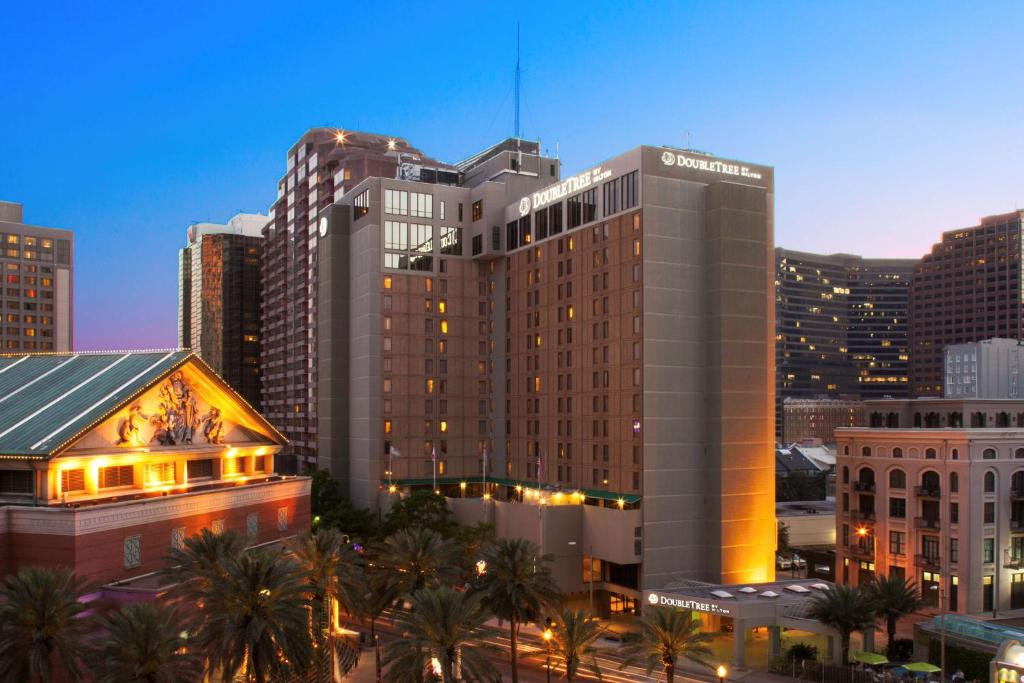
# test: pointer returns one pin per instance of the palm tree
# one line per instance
(442, 627)
(200, 561)
(517, 585)
(573, 641)
(416, 556)
(143, 643)
(894, 598)
(40, 622)
(666, 636)
(254, 622)
(846, 609)
(330, 566)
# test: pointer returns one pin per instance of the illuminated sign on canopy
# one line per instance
(659, 600)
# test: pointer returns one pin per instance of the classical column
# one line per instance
(739, 644)
(774, 642)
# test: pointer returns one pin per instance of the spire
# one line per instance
(517, 81)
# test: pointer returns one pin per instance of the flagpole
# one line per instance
(433, 466)
(485, 470)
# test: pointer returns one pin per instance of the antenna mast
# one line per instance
(517, 81)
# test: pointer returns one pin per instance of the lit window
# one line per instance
(444, 327)
(444, 426)
(387, 283)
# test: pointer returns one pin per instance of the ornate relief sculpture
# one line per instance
(175, 421)
(128, 428)
(213, 426)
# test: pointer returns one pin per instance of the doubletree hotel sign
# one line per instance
(689, 604)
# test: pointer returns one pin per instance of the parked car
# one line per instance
(783, 562)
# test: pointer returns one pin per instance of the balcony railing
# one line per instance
(927, 492)
(858, 516)
(864, 486)
(927, 561)
(862, 552)
(926, 523)
(1013, 559)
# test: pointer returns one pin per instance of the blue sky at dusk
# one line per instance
(886, 122)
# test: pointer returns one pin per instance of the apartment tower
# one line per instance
(38, 290)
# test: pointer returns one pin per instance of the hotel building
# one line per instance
(109, 459)
(985, 369)
(818, 418)
(841, 327)
(37, 293)
(933, 491)
(219, 299)
(603, 343)
(322, 166)
(967, 289)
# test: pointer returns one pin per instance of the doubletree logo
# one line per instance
(668, 158)
(524, 206)
(653, 598)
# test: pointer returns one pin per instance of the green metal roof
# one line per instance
(48, 399)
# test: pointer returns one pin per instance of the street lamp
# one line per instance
(547, 641)
(721, 671)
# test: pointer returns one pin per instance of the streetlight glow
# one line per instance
(339, 137)
(548, 634)
(721, 671)
(862, 531)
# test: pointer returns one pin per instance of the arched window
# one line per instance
(930, 481)
(897, 479)
(897, 452)
(955, 453)
(931, 420)
(956, 419)
(929, 454)
(1017, 483)
(917, 419)
(1002, 420)
(1019, 453)
(954, 482)
(990, 482)
(846, 450)
(846, 475)
(978, 419)
(866, 475)
(989, 454)
(893, 421)
(1020, 419)
(866, 451)
(876, 420)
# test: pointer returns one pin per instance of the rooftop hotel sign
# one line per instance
(567, 187)
(681, 160)
(661, 600)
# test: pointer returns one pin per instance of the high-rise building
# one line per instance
(323, 165)
(934, 491)
(993, 368)
(38, 287)
(967, 289)
(841, 327)
(219, 299)
(599, 349)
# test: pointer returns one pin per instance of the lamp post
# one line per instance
(721, 672)
(547, 642)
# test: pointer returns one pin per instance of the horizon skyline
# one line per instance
(153, 130)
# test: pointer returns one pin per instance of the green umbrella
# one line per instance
(871, 658)
(922, 668)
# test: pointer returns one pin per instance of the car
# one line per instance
(783, 562)
(800, 562)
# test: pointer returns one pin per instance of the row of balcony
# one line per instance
(1016, 525)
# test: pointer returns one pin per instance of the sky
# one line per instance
(887, 123)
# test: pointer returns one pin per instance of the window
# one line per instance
(252, 525)
(990, 482)
(897, 479)
(954, 550)
(988, 550)
(954, 513)
(478, 209)
(929, 454)
(898, 508)
(555, 219)
(119, 475)
(866, 451)
(20, 481)
(897, 542)
(451, 241)
(396, 235)
(396, 202)
(954, 482)
(132, 551)
(72, 481)
(989, 454)
(421, 205)
(989, 513)
(200, 469)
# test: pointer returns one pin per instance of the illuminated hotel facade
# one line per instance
(606, 339)
(841, 328)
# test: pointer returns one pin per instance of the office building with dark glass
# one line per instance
(841, 327)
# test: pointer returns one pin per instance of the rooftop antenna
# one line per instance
(687, 139)
(517, 81)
